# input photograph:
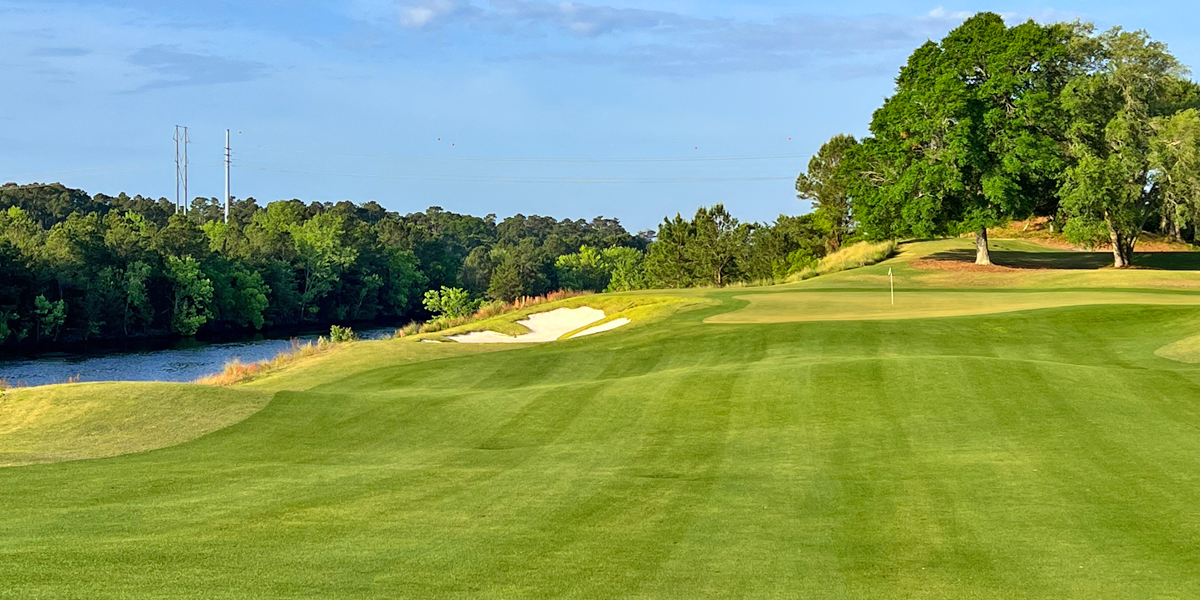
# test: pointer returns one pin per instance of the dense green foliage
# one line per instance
(968, 140)
(714, 248)
(449, 302)
(826, 184)
(995, 123)
(75, 266)
(1126, 137)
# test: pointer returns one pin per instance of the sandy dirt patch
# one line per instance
(543, 327)
(937, 264)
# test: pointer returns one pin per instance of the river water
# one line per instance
(185, 360)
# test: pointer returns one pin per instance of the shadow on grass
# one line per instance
(1170, 261)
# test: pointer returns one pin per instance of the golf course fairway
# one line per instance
(791, 441)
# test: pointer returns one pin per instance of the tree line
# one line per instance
(76, 267)
(1098, 130)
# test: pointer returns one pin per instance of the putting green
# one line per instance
(1042, 454)
(790, 307)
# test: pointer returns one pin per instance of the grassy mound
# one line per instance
(96, 420)
(1032, 454)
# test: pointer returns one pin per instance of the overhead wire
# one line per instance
(520, 179)
(551, 159)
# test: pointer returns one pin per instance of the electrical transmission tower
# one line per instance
(181, 168)
(227, 158)
(178, 168)
(186, 140)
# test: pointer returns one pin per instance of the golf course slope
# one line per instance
(994, 434)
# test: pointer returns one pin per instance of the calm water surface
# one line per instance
(183, 361)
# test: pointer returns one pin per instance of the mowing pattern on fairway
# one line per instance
(1186, 350)
(1035, 454)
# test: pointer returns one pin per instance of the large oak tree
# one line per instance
(971, 136)
(1128, 140)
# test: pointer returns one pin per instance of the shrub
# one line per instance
(339, 335)
(628, 270)
(449, 302)
(584, 270)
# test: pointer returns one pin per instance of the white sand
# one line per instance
(543, 327)
(609, 326)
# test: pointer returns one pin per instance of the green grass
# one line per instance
(824, 305)
(1042, 453)
(1186, 350)
(66, 422)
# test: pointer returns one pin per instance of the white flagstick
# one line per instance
(893, 282)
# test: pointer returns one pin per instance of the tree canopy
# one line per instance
(995, 123)
(75, 266)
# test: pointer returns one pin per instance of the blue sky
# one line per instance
(634, 110)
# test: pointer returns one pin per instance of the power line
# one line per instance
(650, 159)
(227, 157)
(567, 180)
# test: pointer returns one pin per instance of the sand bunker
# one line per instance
(543, 327)
(609, 326)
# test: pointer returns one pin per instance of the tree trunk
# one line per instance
(1118, 248)
(982, 255)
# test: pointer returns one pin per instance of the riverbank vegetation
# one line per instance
(236, 371)
(76, 267)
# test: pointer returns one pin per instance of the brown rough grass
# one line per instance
(854, 256)
(960, 266)
(238, 372)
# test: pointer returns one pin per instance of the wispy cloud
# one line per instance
(524, 16)
(59, 52)
(174, 68)
(674, 43)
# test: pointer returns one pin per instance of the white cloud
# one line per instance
(940, 13)
(416, 17)
(675, 43)
(432, 13)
